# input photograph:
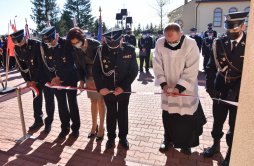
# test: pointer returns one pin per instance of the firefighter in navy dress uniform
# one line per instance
(130, 38)
(223, 78)
(196, 37)
(115, 68)
(144, 44)
(160, 35)
(206, 48)
(93, 35)
(28, 56)
(60, 69)
(210, 27)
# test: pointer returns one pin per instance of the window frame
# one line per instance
(232, 8)
(178, 23)
(247, 16)
(214, 17)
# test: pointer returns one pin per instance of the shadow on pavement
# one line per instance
(144, 78)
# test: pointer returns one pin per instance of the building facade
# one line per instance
(198, 13)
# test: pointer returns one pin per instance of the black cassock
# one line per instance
(215, 80)
(116, 68)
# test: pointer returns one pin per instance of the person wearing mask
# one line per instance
(28, 56)
(206, 48)
(59, 66)
(84, 51)
(88, 35)
(223, 79)
(93, 35)
(115, 68)
(151, 38)
(144, 44)
(160, 35)
(210, 27)
(129, 37)
(175, 66)
(197, 38)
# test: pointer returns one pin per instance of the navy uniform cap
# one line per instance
(92, 32)
(17, 36)
(48, 34)
(128, 29)
(148, 31)
(193, 29)
(144, 32)
(113, 35)
(88, 33)
(210, 25)
(160, 33)
(233, 20)
(57, 32)
(34, 34)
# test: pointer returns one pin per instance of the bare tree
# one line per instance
(159, 7)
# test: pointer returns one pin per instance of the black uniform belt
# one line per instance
(230, 78)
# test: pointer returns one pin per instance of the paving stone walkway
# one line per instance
(145, 133)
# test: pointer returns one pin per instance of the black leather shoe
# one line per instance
(124, 143)
(36, 126)
(186, 151)
(63, 134)
(92, 135)
(47, 128)
(164, 146)
(214, 149)
(75, 134)
(225, 163)
(109, 144)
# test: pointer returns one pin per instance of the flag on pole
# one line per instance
(1, 47)
(99, 37)
(74, 22)
(10, 46)
(27, 31)
(48, 23)
(13, 28)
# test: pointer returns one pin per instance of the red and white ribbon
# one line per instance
(147, 93)
(33, 88)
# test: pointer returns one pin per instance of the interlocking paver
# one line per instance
(145, 132)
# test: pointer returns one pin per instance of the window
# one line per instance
(179, 22)
(217, 17)
(247, 18)
(232, 10)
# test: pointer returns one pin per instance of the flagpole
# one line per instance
(7, 60)
(101, 24)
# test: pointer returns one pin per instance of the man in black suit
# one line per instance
(129, 38)
(114, 69)
(198, 39)
(60, 69)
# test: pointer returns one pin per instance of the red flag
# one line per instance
(10, 46)
(13, 28)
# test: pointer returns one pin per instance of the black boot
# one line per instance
(227, 159)
(186, 151)
(214, 149)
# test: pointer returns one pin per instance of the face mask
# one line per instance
(144, 36)
(210, 29)
(52, 46)
(210, 37)
(79, 45)
(193, 34)
(162, 36)
(128, 33)
(88, 36)
(233, 36)
(147, 35)
(175, 44)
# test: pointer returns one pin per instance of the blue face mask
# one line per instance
(174, 45)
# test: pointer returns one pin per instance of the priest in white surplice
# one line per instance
(175, 65)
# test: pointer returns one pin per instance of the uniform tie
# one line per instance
(234, 46)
